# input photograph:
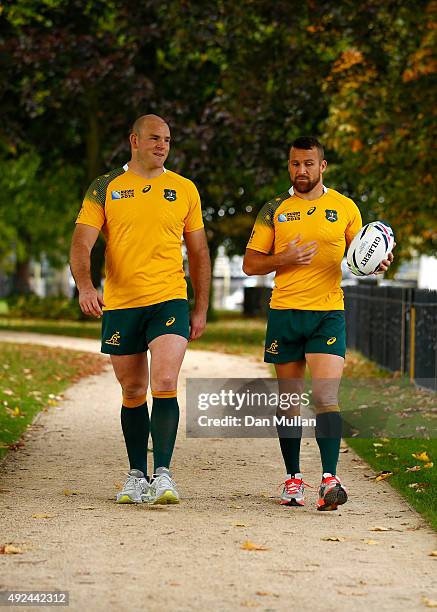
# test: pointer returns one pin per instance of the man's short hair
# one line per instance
(138, 123)
(308, 142)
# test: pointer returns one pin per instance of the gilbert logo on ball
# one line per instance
(370, 246)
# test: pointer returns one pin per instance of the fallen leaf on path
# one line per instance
(240, 525)
(10, 549)
(263, 593)
(248, 545)
(334, 539)
(16, 445)
(370, 542)
(383, 475)
(381, 529)
(43, 516)
(68, 492)
(433, 553)
(421, 456)
(249, 604)
(429, 603)
(415, 468)
(344, 450)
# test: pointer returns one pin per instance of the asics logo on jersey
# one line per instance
(114, 340)
(170, 321)
(170, 194)
(123, 193)
(273, 348)
(147, 188)
(331, 340)
(311, 210)
(290, 216)
(331, 215)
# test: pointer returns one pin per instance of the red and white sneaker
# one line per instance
(293, 491)
(331, 493)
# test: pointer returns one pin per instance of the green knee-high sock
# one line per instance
(290, 448)
(135, 426)
(164, 427)
(328, 436)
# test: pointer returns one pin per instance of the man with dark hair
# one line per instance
(302, 235)
(144, 210)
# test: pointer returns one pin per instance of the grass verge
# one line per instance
(32, 378)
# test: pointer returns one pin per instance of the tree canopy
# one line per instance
(237, 82)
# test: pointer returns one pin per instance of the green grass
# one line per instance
(236, 336)
(380, 408)
(77, 329)
(395, 455)
(32, 378)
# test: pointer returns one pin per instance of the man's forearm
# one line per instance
(259, 263)
(200, 274)
(80, 265)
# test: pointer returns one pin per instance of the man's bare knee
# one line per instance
(165, 383)
(134, 395)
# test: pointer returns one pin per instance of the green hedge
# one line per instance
(35, 307)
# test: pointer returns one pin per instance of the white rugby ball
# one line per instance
(370, 246)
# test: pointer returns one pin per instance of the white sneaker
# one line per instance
(163, 488)
(135, 489)
(293, 491)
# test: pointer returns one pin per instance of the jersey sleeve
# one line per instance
(93, 206)
(194, 220)
(355, 223)
(263, 232)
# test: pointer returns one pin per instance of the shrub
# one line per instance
(35, 307)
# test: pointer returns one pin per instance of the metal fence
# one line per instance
(396, 327)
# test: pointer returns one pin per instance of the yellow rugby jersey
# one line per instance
(332, 221)
(143, 221)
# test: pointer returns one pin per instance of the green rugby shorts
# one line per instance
(291, 334)
(127, 331)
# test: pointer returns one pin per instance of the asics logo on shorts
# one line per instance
(331, 340)
(114, 340)
(170, 321)
(273, 348)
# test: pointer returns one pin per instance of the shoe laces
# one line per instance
(292, 485)
(163, 480)
(133, 482)
(331, 480)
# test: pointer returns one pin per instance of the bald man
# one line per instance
(143, 211)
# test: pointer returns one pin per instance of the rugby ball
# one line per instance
(370, 246)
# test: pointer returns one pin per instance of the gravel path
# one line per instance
(57, 506)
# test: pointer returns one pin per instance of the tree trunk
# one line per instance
(21, 279)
